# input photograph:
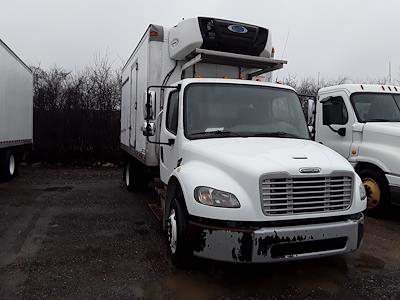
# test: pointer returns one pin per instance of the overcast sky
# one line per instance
(354, 38)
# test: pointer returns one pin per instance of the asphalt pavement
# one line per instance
(76, 233)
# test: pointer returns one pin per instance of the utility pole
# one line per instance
(390, 72)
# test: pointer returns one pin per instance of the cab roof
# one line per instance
(360, 87)
(235, 81)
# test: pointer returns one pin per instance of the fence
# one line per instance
(84, 136)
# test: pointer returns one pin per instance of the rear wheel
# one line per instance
(377, 189)
(8, 166)
(134, 176)
(177, 235)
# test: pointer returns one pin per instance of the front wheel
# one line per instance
(8, 166)
(177, 235)
(377, 189)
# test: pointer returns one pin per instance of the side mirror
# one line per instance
(310, 112)
(341, 131)
(148, 129)
(149, 105)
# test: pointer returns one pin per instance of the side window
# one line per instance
(334, 111)
(172, 113)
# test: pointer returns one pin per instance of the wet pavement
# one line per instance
(77, 233)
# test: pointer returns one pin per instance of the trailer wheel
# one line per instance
(177, 236)
(8, 166)
(377, 189)
(134, 176)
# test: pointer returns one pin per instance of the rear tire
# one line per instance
(8, 166)
(178, 247)
(377, 189)
(134, 176)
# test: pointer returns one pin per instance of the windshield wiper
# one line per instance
(218, 132)
(277, 134)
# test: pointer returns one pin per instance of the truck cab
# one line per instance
(245, 182)
(362, 123)
(237, 175)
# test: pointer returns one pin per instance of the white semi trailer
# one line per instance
(362, 123)
(16, 111)
(238, 177)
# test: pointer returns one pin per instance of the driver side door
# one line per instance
(334, 113)
(169, 130)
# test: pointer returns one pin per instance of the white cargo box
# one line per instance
(16, 99)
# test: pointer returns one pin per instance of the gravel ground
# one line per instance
(77, 233)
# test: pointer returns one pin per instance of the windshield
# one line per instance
(373, 107)
(233, 110)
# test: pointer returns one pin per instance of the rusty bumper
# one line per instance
(281, 243)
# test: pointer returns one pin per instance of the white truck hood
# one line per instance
(236, 165)
(257, 156)
(382, 128)
(381, 141)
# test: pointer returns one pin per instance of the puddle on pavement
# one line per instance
(142, 231)
(366, 261)
(210, 280)
(57, 189)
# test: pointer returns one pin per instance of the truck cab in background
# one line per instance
(238, 177)
(362, 123)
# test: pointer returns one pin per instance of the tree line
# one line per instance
(76, 114)
(97, 87)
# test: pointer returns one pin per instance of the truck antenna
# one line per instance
(283, 53)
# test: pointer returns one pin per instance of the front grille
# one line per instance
(303, 195)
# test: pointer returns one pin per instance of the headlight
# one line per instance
(212, 197)
(363, 193)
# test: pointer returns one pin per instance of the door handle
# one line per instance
(162, 154)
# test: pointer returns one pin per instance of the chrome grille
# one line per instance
(303, 195)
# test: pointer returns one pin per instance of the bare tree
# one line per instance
(97, 87)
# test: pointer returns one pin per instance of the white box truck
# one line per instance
(239, 178)
(362, 123)
(16, 111)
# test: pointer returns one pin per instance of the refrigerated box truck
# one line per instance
(238, 176)
(16, 111)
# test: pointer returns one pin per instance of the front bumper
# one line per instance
(276, 243)
(394, 185)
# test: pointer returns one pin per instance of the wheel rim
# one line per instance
(172, 231)
(11, 166)
(373, 192)
(127, 178)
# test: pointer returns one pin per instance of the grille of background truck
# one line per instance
(302, 195)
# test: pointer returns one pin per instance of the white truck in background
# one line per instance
(238, 177)
(362, 123)
(16, 111)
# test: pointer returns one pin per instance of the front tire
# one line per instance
(377, 189)
(8, 166)
(178, 246)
